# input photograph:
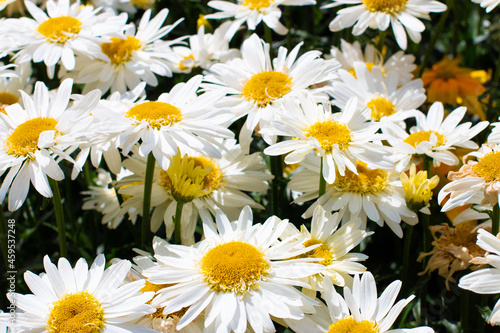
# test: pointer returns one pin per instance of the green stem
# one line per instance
(495, 216)
(381, 40)
(464, 311)
(58, 209)
(177, 222)
(3, 236)
(406, 254)
(481, 322)
(322, 181)
(494, 88)
(277, 184)
(146, 205)
(435, 37)
(268, 36)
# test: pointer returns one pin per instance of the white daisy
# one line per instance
(486, 281)
(253, 12)
(432, 136)
(348, 54)
(178, 118)
(340, 139)
(124, 62)
(335, 244)
(222, 187)
(257, 88)
(359, 310)
(379, 14)
(488, 4)
(239, 274)
(80, 299)
(32, 137)
(380, 97)
(10, 86)
(477, 181)
(375, 194)
(61, 32)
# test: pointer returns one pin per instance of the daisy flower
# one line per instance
(123, 62)
(488, 4)
(485, 281)
(375, 194)
(11, 86)
(340, 139)
(433, 136)
(222, 187)
(348, 54)
(32, 137)
(80, 299)
(359, 310)
(477, 181)
(239, 274)
(253, 12)
(64, 30)
(257, 88)
(379, 14)
(179, 118)
(335, 244)
(379, 96)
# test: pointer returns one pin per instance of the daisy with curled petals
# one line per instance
(375, 194)
(253, 12)
(339, 139)
(432, 136)
(31, 138)
(379, 96)
(222, 187)
(335, 244)
(80, 299)
(178, 118)
(239, 274)
(488, 4)
(257, 88)
(379, 14)
(486, 281)
(359, 310)
(65, 30)
(124, 62)
(477, 181)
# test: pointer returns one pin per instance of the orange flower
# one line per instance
(449, 83)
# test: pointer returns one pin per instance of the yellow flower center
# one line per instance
(321, 251)
(76, 312)
(187, 62)
(366, 181)
(120, 50)
(330, 133)
(418, 189)
(157, 114)
(191, 177)
(59, 29)
(488, 167)
(7, 99)
(234, 267)
(148, 286)
(266, 86)
(24, 140)
(381, 107)
(386, 6)
(350, 325)
(416, 138)
(257, 4)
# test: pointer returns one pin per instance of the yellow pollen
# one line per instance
(321, 251)
(120, 50)
(386, 6)
(76, 313)
(330, 133)
(381, 107)
(264, 87)
(488, 167)
(234, 267)
(7, 99)
(365, 182)
(257, 4)
(148, 286)
(24, 140)
(157, 114)
(59, 29)
(187, 62)
(416, 138)
(350, 325)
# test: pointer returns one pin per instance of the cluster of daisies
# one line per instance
(348, 130)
